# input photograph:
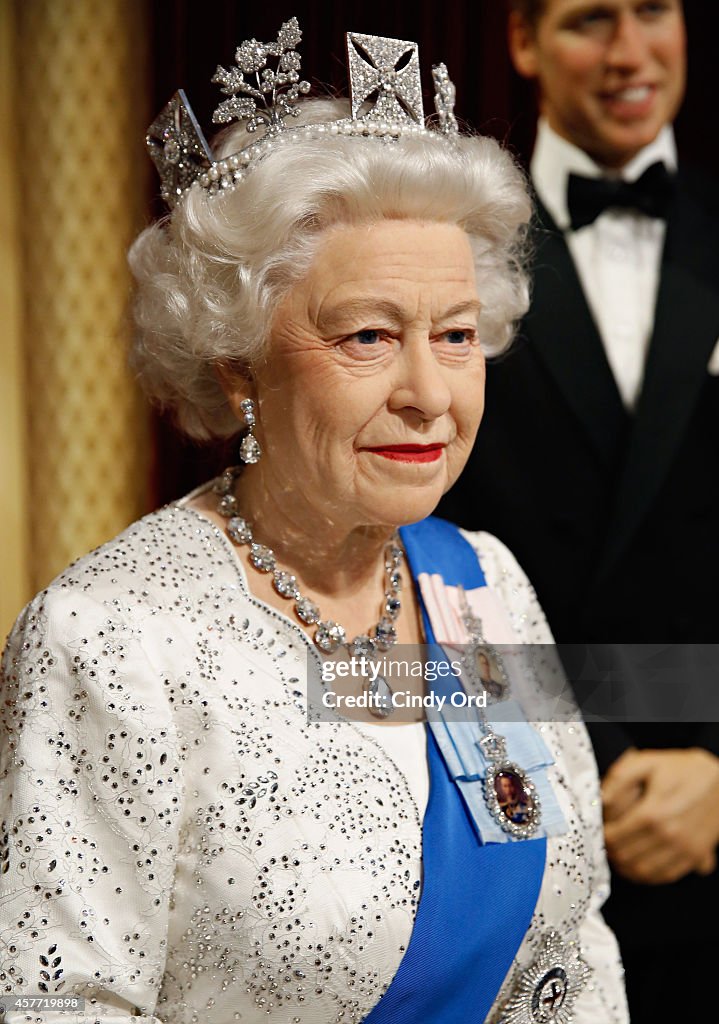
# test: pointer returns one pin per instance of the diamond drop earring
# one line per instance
(250, 451)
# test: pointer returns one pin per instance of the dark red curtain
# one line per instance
(190, 37)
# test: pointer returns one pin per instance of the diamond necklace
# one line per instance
(329, 635)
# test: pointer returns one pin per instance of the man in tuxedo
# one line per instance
(598, 457)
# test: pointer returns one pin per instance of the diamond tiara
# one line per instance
(383, 73)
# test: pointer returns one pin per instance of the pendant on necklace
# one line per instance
(509, 792)
(380, 697)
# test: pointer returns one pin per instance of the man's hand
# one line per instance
(661, 814)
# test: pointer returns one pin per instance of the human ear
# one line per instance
(522, 41)
(237, 384)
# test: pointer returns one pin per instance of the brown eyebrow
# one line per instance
(591, 7)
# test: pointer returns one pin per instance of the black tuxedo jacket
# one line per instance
(613, 516)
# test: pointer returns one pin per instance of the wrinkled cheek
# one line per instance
(456, 459)
(335, 463)
(469, 422)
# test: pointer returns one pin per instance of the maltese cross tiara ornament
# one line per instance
(385, 95)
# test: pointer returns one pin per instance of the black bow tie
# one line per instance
(650, 194)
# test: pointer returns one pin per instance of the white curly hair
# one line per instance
(210, 276)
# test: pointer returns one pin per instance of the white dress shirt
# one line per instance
(617, 257)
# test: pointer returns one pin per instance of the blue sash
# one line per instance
(477, 900)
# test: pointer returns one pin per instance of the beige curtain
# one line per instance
(77, 447)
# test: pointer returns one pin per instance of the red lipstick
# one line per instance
(409, 452)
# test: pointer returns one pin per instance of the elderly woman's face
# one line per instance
(373, 387)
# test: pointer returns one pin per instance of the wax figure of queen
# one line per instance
(181, 842)
(597, 457)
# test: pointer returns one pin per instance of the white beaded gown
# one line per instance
(179, 845)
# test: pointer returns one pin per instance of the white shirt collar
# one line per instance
(555, 158)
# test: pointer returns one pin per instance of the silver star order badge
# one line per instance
(389, 68)
(548, 988)
(177, 148)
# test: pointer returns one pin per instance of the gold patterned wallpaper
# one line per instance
(74, 429)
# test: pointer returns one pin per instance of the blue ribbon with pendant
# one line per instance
(478, 758)
(478, 895)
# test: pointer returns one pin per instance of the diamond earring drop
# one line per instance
(250, 451)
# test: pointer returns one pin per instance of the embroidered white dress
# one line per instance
(180, 846)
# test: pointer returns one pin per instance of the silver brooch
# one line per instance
(548, 988)
(482, 666)
(509, 793)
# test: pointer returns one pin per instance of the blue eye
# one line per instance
(367, 337)
(457, 337)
